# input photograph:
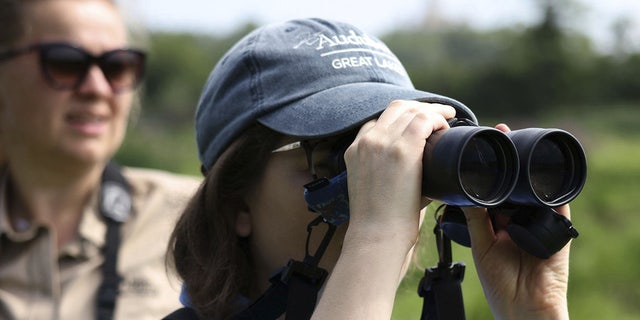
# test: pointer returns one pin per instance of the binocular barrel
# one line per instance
(469, 165)
(553, 167)
(482, 166)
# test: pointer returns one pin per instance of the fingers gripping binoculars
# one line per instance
(520, 174)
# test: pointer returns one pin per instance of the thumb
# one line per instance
(480, 228)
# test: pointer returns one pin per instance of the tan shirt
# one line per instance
(38, 282)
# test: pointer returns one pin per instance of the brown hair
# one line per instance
(13, 24)
(204, 248)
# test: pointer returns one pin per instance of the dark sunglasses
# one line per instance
(65, 66)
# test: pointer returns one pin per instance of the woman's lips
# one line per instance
(87, 123)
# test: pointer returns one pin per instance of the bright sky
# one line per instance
(595, 17)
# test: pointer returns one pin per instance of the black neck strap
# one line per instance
(294, 289)
(440, 287)
(115, 207)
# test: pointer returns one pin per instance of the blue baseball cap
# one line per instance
(307, 78)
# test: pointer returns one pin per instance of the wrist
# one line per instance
(381, 241)
(364, 281)
(557, 311)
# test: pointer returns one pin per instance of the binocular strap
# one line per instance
(440, 287)
(115, 206)
(294, 289)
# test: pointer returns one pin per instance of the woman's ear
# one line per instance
(243, 223)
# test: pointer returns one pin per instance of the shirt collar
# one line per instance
(27, 231)
(92, 227)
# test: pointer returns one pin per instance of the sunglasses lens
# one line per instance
(328, 156)
(64, 66)
(123, 68)
(336, 158)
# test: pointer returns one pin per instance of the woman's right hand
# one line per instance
(385, 183)
(385, 168)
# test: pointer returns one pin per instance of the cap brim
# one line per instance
(343, 108)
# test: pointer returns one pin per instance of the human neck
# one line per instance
(52, 196)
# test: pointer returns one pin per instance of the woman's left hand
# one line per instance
(516, 284)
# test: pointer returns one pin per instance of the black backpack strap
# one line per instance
(272, 303)
(115, 206)
(304, 283)
(441, 285)
(294, 289)
(182, 314)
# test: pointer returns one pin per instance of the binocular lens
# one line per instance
(481, 168)
(553, 167)
(557, 170)
(550, 171)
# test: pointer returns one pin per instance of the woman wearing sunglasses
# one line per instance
(80, 238)
(275, 117)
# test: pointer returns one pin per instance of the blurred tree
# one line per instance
(518, 71)
(178, 66)
(622, 43)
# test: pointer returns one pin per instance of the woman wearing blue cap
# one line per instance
(272, 115)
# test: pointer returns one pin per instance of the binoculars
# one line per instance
(522, 174)
(469, 165)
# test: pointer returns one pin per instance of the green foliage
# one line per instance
(178, 66)
(518, 71)
(167, 148)
(515, 71)
(605, 259)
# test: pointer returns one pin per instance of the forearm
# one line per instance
(364, 281)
